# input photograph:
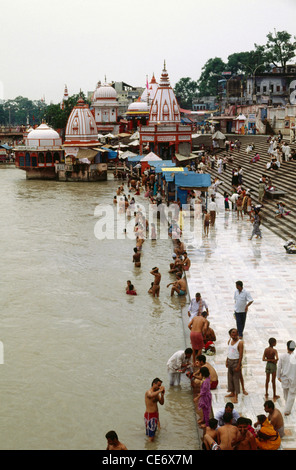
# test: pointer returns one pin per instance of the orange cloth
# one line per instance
(268, 438)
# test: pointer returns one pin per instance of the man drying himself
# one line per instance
(197, 326)
(153, 396)
(156, 283)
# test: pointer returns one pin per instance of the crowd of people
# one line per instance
(221, 430)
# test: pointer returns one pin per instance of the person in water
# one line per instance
(130, 290)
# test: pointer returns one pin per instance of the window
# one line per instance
(278, 88)
(41, 157)
(56, 157)
(48, 157)
(264, 89)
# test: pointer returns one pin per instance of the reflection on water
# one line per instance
(79, 353)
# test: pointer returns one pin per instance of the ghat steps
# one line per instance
(283, 179)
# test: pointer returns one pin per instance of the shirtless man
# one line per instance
(196, 378)
(156, 283)
(197, 326)
(113, 443)
(177, 265)
(247, 440)
(227, 435)
(210, 433)
(275, 417)
(137, 258)
(186, 262)
(179, 247)
(179, 286)
(153, 396)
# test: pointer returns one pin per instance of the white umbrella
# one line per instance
(135, 143)
(218, 135)
(109, 135)
(150, 157)
(136, 135)
(241, 117)
(127, 154)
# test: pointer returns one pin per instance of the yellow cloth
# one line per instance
(272, 440)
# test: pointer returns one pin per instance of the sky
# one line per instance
(45, 45)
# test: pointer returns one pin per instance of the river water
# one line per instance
(79, 353)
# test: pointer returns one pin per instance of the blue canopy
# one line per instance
(134, 159)
(111, 153)
(5, 146)
(192, 180)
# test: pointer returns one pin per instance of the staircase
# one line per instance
(284, 179)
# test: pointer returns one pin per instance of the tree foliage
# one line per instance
(211, 74)
(185, 89)
(21, 111)
(57, 117)
(280, 48)
(278, 51)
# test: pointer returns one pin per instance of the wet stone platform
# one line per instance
(269, 274)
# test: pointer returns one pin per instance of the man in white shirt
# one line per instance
(286, 374)
(243, 300)
(213, 209)
(177, 364)
(197, 306)
(229, 408)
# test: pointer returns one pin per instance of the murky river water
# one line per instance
(79, 354)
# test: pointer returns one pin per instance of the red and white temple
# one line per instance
(105, 106)
(41, 151)
(164, 134)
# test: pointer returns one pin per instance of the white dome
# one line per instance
(43, 136)
(105, 91)
(43, 132)
(138, 106)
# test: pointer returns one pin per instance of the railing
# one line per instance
(12, 129)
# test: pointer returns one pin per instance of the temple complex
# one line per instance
(164, 134)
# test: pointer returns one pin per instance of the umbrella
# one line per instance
(150, 157)
(218, 135)
(241, 117)
(127, 154)
(135, 143)
(136, 135)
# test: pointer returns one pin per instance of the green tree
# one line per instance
(21, 111)
(246, 62)
(280, 48)
(57, 117)
(211, 73)
(185, 89)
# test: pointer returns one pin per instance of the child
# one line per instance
(130, 290)
(204, 398)
(226, 201)
(270, 355)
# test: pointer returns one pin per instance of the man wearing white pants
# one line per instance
(177, 364)
(286, 374)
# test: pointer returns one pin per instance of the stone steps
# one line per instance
(282, 179)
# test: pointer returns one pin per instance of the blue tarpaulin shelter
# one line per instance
(190, 180)
(193, 180)
(111, 153)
